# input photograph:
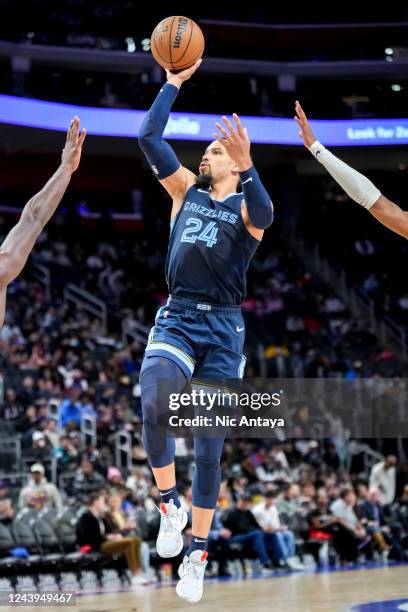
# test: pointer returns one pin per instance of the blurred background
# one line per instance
(327, 291)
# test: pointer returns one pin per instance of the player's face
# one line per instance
(216, 162)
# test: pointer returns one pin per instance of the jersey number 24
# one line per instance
(194, 232)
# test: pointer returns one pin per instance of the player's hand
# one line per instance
(236, 142)
(305, 130)
(71, 153)
(178, 78)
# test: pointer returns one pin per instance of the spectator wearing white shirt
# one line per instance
(277, 536)
(383, 477)
(344, 510)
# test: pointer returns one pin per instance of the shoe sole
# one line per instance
(180, 548)
(182, 596)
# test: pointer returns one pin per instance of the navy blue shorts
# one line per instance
(205, 340)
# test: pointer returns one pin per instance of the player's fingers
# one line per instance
(218, 138)
(222, 130)
(301, 113)
(82, 137)
(69, 129)
(229, 125)
(73, 137)
(240, 127)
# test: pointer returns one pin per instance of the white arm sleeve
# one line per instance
(356, 185)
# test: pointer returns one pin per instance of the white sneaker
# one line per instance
(169, 542)
(139, 580)
(295, 564)
(191, 572)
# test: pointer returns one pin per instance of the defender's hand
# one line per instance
(179, 78)
(305, 130)
(236, 142)
(71, 154)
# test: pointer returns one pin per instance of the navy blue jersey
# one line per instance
(209, 249)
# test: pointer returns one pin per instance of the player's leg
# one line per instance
(206, 488)
(160, 449)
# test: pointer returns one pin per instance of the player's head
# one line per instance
(216, 165)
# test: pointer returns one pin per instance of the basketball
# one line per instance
(177, 43)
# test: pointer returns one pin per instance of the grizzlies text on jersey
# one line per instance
(209, 249)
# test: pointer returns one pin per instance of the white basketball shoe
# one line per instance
(169, 542)
(191, 572)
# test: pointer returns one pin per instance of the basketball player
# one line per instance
(37, 212)
(356, 185)
(214, 233)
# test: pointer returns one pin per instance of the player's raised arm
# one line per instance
(19, 242)
(356, 185)
(172, 175)
(257, 205)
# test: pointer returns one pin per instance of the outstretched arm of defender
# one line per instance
(162, 159)
(391, 215)
(356, 185)
(19, 242)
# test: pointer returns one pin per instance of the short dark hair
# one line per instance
(344, 492)
(92, 497)
(245, 497)
(271, 495)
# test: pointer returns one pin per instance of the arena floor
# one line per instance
(370, 589)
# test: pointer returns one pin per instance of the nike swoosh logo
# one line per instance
(249, 180)
(240, 329)
(199, 541)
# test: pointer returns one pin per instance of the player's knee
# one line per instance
(208, 473)
(154, 436)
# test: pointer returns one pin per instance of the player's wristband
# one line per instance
(356, 185)
(258, 202)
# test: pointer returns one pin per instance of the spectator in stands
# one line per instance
(70, 412)
(6, 506)
(93, 530)
(371, 514)
(278, 537)
(246, 530)
(288, 504)
(324, 525)
(272, 470)
(27, 421)
(51, 432)
(139, 482)
(118, 522)
(12, 407)
(344, 510)
(218, 543)
(65, 452)
(115, 477)
(384, 477)
(39, 493)
(41, 446)
(28, 393)
(87, 480)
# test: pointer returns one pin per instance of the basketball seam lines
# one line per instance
(158, 52)
(188, 44)
(197, 56)
(171, 29)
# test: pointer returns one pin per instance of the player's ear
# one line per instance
(234, 170)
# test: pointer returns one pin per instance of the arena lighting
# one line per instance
(131, 46)
(191, 126)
